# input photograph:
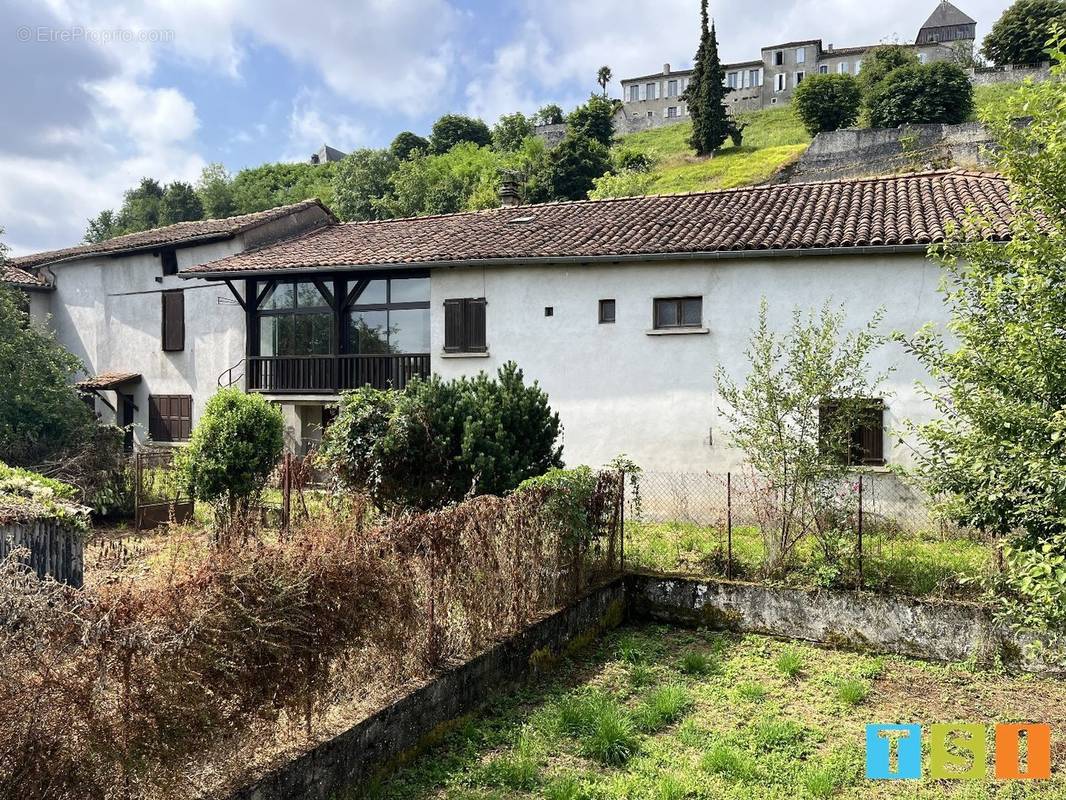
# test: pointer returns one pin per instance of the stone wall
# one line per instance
(551, 134)
(1009, 74)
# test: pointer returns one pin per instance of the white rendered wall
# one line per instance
(619, 389)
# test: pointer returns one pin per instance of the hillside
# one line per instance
(773, 138)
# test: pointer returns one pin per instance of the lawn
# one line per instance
(659, 713)
(915, 564)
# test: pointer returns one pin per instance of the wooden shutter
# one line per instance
(871, 434)
(170, 417)
(474, 325)
(453, 326)
(173, 321)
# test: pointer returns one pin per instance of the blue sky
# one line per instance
(243, 82)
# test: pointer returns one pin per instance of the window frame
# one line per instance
(602, 316)
(168, 261)
(865, 430)
(160, 426)
(296, 310)
(679, 301)
(470, 310)
(388, 306)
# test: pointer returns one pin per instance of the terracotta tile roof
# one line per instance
(885, 211)
(14, 276)
(178, 233)
(109, 380)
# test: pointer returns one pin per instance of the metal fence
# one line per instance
(159, 498)
(884, 533)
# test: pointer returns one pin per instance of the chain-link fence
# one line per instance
(873, 530)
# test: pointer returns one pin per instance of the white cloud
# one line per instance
(152, 117)
(310, 127)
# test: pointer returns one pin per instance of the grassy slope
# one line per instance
(773, 138)
(684, 715)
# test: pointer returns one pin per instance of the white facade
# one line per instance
(624, 388)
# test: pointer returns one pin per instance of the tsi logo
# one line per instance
(958, 751)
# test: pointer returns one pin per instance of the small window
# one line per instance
(799, 77)
(824, 69)
(606, 312)
(858, 442)
(173, 321)
(170, 417)
(780, 82)
(634, 94)
(671, 88)
(779, 58)
(170, 261)
(464, 325)
(801, 55)
(679, 312)
(549, 311)
(671, 112)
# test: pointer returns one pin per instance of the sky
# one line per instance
(95, 95)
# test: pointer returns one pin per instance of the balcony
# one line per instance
(333, 374)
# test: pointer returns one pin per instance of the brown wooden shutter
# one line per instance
(475, 325)
(156, 428)
(453, 326)
(170, 417)
(872, 434)
(173, 321)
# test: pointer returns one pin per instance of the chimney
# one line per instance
(509, 196)
(666, 69)
(829, 48)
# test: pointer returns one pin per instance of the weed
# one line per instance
(663, 706)
(631, 652)
(852, 692)
(612, 739)
(728, 761)
(820, 782)
(578, 714)
(566, 787)
(512, 771)
(872, 668)
(671, 787)
(752, 692)
(697, 663)
(790, 663)
(641, 675)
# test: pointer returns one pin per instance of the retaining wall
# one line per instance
(55, 549)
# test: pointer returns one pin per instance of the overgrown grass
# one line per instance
(744, 731)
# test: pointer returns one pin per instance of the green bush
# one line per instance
(827, 102)
(26, 495)
(438, 441)
(233, 449)
(919, 94)
(1020, 36)
(568, 501)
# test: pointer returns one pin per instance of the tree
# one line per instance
(882, 60)
(777, 418)
(438, 441)
(594, 120)
(1021, 34)
(272, 185)
(921, 93)
(568, 171)
(140, 207)
(706, 93)
(827, 102)
(998, 450)
(41, 414)
(549, 114)
(603, 78)
(510, 131)
(361, 184)
(102, 227)
(233, 449)
(443, 184)
(406, 143)
(215, 189)
(180, 203)
(452, 129)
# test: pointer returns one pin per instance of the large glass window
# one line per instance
(295, 319)
(389, 316)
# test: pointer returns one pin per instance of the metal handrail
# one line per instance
(229, 372)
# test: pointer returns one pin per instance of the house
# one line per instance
(152, 344)
(327, 154)
(33, 289)
(620, 308)
(649, 101)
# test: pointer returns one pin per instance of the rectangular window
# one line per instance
(173, 321)
(634, 94)
(799, 77)
(678, 312)
(170, 417)
(801, 55)
(671, 88)
(295, 319)
(464, 325)
(842, 68)
(388, 315)
(606, 312)
(824, 69)
(652, 91)
(731, 80)
(857, 441)
(755, 77)
(858, 66)
(780, 82)
(779, 58)
(169, 259)
(671, 112)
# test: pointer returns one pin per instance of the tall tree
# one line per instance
(215, 189)
(361, 182)
(140, 207)
(180, 203)
(603, 78)
(1020, 36)
(406, 143)
(451, 129)
(595, 120)
(706, 93)
(550, 114)
(510, 131)
(101, 227)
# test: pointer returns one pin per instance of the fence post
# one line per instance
(286, 492)
(621, 520)
(729, 524)
(860, 533)
(137, 491)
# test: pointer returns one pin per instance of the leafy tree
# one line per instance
(102, 227)
(921, 93)
(438, 441)
(624, 183)
(180, 203)
(882, 60)
(603, 78)
(453, 129)
(405, 144)
(706, 93)
(510, 131)
(998, 450)
(361, 183)
(568, 170)
(775, 418)
(827, 102)
(594, 120)
(215, 189)
(234, 448)
(41, 413)
(1020, 36)
(140, 207)
(273, 185)
(549, 114)
(442, 184)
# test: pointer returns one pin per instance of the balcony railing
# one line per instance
(335, 373)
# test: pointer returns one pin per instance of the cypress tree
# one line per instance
(706, 93)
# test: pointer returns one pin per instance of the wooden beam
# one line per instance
(237, 295)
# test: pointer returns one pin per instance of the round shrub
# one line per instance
(828, 102)
(233, 449)
(919, 94)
